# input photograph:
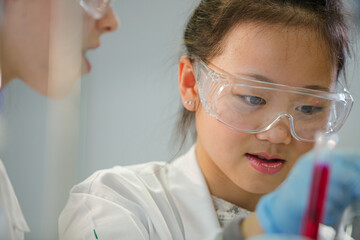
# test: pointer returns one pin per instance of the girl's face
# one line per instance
(229, 158)
(43, 43)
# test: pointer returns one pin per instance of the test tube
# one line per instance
(314, 212)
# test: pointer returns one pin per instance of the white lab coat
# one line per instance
(12, 221)
(155, 200)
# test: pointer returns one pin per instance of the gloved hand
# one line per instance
(278, 237)
(281, 211)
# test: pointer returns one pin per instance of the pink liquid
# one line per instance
(315, 210)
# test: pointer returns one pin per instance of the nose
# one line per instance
(278, 134)
(109, 22)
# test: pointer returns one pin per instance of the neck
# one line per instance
(222, 186)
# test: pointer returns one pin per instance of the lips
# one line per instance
(86, 60)
(94, 46)
(265, 163)
(87, 64)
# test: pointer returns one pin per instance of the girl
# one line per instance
(259, 78)
(24, 54)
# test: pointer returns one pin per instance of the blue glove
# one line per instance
(282, 210)
(278, 237)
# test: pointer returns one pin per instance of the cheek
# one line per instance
(299, 149)
(220, 141)
(89, 29)
(31, 59)
(302, 147)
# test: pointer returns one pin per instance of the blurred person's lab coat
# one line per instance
(12, 221)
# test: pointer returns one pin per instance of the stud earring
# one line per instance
(189, 103)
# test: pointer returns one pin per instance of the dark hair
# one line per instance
(210, 22)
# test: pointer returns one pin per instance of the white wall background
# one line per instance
(124, 113)
(131, 98)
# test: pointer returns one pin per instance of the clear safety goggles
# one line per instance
(96, 8)
(253, 106)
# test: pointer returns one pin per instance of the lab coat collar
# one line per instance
(195, 200)
(10, 203)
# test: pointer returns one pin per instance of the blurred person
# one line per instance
(44, 43)
(27, 42)
(258, 80)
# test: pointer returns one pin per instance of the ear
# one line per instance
(187, 84)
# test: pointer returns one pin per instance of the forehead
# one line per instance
(288, 55)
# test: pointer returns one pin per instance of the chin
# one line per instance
(57, 90)
(262, 187)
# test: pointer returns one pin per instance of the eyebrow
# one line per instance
(266, 79)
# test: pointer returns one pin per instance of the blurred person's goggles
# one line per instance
(253, 106)
(96, 8)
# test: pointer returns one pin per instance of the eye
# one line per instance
(252, 100)
(309, 109)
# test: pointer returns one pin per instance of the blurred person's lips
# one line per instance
(86, 60)
(94, 46)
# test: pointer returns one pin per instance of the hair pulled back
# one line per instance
(212, 20)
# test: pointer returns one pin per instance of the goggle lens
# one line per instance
(255, 106)
(96, 8)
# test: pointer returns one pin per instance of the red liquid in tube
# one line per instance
(316, 204)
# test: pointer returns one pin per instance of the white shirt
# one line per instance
(227, 212)
(156, 200)
(12, 221)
